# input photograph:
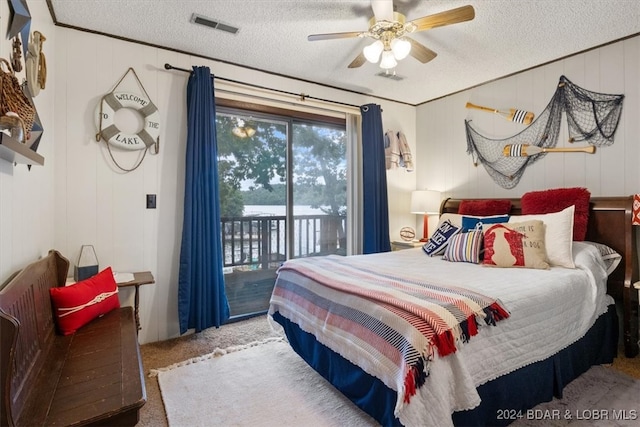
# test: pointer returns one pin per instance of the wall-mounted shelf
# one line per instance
(16, 152)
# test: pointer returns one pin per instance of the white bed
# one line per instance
(549, 311)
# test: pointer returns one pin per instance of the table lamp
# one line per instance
(425, 202)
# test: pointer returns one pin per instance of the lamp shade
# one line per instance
(373, 51)
(425, 202)
(400, 48)
(388, 61)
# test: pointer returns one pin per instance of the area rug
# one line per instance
(263, 383)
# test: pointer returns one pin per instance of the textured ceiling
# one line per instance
(506, 36)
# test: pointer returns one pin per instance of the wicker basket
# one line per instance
(12, 98)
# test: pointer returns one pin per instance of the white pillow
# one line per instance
(558, 235)
(454, 219)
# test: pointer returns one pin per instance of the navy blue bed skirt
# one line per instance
(521, 390)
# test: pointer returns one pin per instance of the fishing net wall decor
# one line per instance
(592, 117)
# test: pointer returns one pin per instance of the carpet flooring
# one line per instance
(165, 353)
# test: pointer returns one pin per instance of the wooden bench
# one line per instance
(93, 377)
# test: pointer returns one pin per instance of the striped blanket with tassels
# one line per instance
(389, 325)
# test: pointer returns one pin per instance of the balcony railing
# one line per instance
(255, 246)
(259, 242)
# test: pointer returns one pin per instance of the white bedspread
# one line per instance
(550, 309)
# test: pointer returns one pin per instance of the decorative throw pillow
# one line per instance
(557, 199)
(558, 235)
(464, 247)
(78, 304)
(454, 219)
(485, 207)
(517, 244)
(609, 255)
(471, 222)
(440, 238)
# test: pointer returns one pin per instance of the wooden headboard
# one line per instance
(609, 223)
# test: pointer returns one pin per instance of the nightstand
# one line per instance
(400, 245)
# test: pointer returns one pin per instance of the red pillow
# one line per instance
(484, 207)
(557, 199)
(76, 305)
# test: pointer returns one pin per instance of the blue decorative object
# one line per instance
(437, 243)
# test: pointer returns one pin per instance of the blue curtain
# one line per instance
(202, 301)
(374, 183)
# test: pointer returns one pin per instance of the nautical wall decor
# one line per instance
(36, 64)
(12, 98)
(511, 114)
(147, 138)
(592, 118)
(20, 22)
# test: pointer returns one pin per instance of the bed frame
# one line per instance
(609, 223)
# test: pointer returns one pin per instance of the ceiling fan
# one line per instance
(389, 29)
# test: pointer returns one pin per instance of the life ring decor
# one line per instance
(108, 130)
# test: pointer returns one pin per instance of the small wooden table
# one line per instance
(139, 278)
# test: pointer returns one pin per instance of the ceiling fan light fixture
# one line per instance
(400, 48)
(373, 51)
(388, 61)
(243, 131)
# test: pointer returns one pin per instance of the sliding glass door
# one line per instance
(283, 193)
(319, 189)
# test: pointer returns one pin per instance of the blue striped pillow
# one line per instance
(464, 247)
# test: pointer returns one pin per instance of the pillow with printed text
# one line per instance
(518, 244)
(471, 222)
(440, 238)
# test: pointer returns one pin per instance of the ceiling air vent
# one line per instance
(202, 20)
(390, 76)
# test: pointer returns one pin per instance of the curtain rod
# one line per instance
(302, 96)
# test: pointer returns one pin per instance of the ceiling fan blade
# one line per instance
(331, 36)
(453, 16)
(360, 59)
(382, 10)
(421, 52)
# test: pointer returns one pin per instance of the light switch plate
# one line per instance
(151, 201)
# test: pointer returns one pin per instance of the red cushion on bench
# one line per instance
(76, 305)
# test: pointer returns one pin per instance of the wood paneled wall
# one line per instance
(27, 196)
(612, 171)
(98, 204)
(78, 197)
